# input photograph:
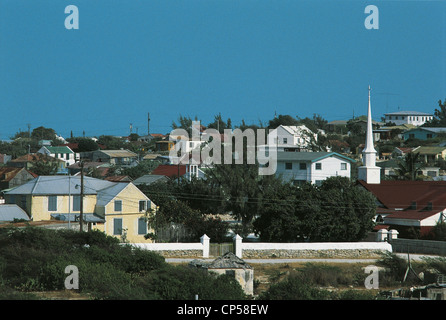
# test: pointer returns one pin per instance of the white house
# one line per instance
(291, 138)
(62, 152)
(314, 167)
(408, 117)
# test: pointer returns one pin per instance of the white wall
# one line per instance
(331, 167)
(317, 246)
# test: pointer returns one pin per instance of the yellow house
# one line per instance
(117, 208)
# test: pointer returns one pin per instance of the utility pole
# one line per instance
(81, 216)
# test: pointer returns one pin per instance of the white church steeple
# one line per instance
(369, 172)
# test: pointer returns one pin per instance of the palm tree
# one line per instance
(409, 167)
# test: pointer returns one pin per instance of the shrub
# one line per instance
(294, 287)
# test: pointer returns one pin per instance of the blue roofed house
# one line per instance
(423, 133)
(313, 167)
(118, 208)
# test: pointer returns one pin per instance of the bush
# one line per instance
(294, 287)
(34, 259)
(327, 275)
(168, 284)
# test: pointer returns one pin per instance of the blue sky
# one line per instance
(244, 59)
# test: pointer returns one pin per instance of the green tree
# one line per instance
(142, 168)
(220, 124)
(184, 122)
(409, 167)
(285, 120)
(336, 211)
(84, 144)
(42, 133)
(45, 166)
(111, 142)
(439, 119)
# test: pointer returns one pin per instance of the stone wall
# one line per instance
(308, 254)
(359, 250)
(419, 246)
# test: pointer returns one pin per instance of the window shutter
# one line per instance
(117, 226)
(142, 226)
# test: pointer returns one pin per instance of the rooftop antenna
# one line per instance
(148, 123)
(387, 94)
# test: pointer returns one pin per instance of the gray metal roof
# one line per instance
(108, 194)
(409, 113)
(309, 156)
(9, 212)
(119, 153)
(149, 179)
(228, 261)
(58, 185)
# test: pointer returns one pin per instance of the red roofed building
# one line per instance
(412, 208)
(404, 205)
(172, 171)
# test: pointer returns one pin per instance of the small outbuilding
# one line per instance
(232, 265)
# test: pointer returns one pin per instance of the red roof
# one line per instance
(401, 194)
(416, 200)
(170, 171)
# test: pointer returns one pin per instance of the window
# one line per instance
(142, 205)
(23, 202)
(299, 182)
(318, 182)
(288, 166)
(318, 166)
(142, 226)
(117, 226)
(76, 203)
(52, 203)
(343, 166)
(67, 156)
(118, 205)
(230, 273)
(411, 135)
(285, 140)
(302, 166)
(429, 135)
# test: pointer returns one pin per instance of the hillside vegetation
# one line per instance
(34, 260)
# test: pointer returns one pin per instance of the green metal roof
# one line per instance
(62, 149)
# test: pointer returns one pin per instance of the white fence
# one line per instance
(179, 248)
(258, 250)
